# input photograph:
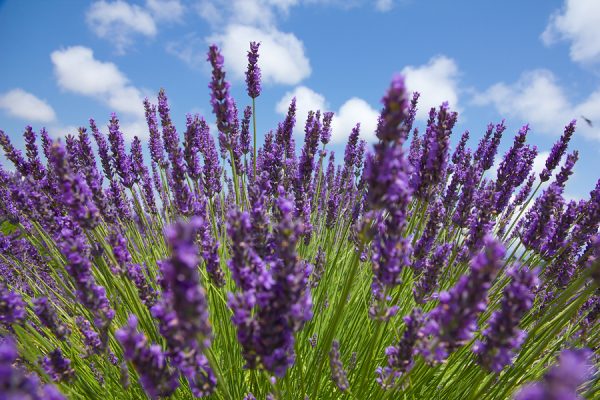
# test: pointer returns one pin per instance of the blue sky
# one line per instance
(538, 62)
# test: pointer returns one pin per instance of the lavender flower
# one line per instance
(103, 150)
(454, 320)
(503, 337)
(12, 307)
(211, 169)
(245, 131)
(91, 339)
(47, 315)
(427, 239)
(220, 100)
(387, 177)
(434, 154)
(156, 147)
(561, 382)
(14, 155)
(141, 173)
(182, 312)
(76, 195)
(326, 128)
(459, 152)
(122, 162)
(432, 268)
(16, 383)
(156, 377)
(253, 72)
(400, 357)
(75, 250)
(338, 374)
(558, 150)
(58, 367)
(31, 150)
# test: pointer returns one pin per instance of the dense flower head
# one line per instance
(453, 322)
(220, 100)
(253, 72)
(400, 357)
(574, 367)
(204, 279)
(503, 337)
(338, 374)
(12, 307)
(16, 383)
(47, 315)
(58, 367)
(245, 131)
(156, 376)
(558, 150)
(13, 154)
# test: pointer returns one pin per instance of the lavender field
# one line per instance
(224, 268)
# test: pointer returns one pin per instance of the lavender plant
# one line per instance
(410, 270)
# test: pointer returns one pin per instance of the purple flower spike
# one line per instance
(574, 367)
(58, 367)
(387, 177)
(47, 315)
(503, 337)
(245, 131)
(222, 103)
(12, 307)
(558, 150)
(400, 357)
(326, 128)
(16, 383)
(13, 154)
(122, 162)
(31, 150)
(453, 322)
(156, 147)
(338, 374)
(253, 72)
(75, 193)
(156, 377)
(183, 310)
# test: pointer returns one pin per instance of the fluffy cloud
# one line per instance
(165, 10)
(21, 104)
(119, 22)
(579, 23)
(350, 113)
(283, 59)
(353, 111)
(77, 71)
(384, 5)
(538, 98)
(437, 81)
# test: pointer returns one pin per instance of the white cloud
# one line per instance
(282, 56)
(353, 111)
(77, 71)
(119, 22)
(384, 5)
(166, 10)
(350, 113)
(437, 81)
(538, 98)
(579, 23)
(21, 104)
(190, 49)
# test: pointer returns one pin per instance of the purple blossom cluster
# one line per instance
(213, 257)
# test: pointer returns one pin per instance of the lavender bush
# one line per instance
(220, 269)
